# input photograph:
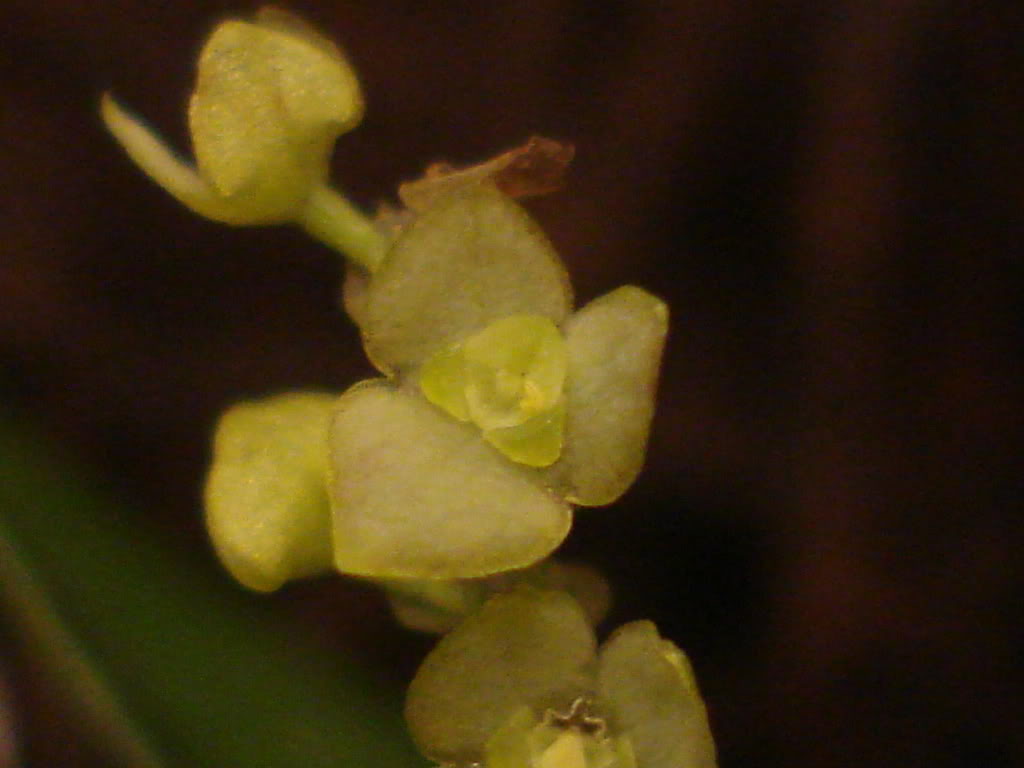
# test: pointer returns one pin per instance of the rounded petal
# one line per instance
(473, 258)
(510, 746)
(266, 494)
(416, 494)
(523, 648)
(319, 88)
(433, 605)
(585, 583)
(647, 689)
(615, 344)
(536, 442)
(439, 605)
(442, 380)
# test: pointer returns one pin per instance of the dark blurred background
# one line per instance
(829, 195)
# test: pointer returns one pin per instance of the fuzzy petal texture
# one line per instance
(523, 648)
(266, 495)
(270, 100)
(615, 344)
(647, 688)
(416, 494)
(473, 258)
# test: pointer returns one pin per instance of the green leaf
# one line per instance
(646, 686)
(266, 494)
(615, 344)
(416, 494)
(164, 653)
(524, 648)
(472, 258)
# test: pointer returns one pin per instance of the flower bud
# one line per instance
(271, 97)
(266, 498)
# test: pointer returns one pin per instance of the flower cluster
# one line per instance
(498, 409)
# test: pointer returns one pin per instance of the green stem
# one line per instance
(69, 666)
(335, 221)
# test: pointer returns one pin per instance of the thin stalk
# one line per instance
(335, 221)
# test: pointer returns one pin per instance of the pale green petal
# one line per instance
(162, 165)
(509, 746)
(526, 741)
(583, 582)
(443, 381)
(536, 442)
(266, 109)
(431, 605)
(523, 648)
(437, 606)
(319, 88)
(240, 131)
(417, 494)
(647, 689)
(266, 495)
(273, 18)
(615, 345)
(473, 258)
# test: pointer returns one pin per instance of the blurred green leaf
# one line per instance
(171, 663)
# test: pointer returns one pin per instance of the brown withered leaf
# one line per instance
(535, 168)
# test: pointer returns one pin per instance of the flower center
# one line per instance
(576, 739)
(508, 379)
